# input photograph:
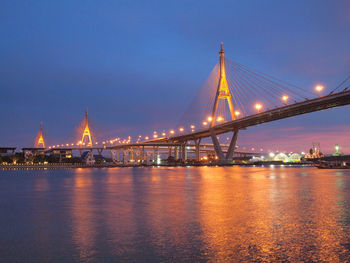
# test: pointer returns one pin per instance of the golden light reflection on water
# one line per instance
(215, 214)
(269, 217)
(84, 229)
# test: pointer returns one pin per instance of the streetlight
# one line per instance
(319, 88)
(172, 131)
(258, 107)
(237, 113)
(181, 129)
(220, 118)
(210, 119)
(205, 123)
(285, 98)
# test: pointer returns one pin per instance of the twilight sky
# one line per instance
(138, 64)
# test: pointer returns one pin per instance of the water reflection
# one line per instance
(178, 214)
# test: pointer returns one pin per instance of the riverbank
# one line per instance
(110, 165)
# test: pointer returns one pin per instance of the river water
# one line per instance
(202, 214)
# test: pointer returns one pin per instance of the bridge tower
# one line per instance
(40, 139)
(86, 133)
(223, 92)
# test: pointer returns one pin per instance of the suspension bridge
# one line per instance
(231, 87)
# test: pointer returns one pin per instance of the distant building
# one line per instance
(88, 158)
(60, 153)
(315, 152)
(7, 151)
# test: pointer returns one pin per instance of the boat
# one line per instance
(323, 164)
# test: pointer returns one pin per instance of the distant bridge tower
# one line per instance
(86, 133)
(40, 143)
(223, 91)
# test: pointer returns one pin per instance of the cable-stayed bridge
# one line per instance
(233, 98)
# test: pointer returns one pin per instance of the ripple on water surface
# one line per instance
(175, 214)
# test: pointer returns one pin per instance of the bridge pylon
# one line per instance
(223, 93)
(86, 132)
(40, 143)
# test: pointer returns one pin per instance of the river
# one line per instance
(184, 214)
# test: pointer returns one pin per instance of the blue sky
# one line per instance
(137, 64)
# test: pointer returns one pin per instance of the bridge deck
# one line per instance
(307, 106)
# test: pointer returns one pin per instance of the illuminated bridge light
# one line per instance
(237, 113)
(172, 131)
(163, 134)
(210, 118)
(285, 98)
(220, 118)
(192, 126)
(155, 136)
(205, 123)
(181, 129)
(258, 107)
(319, 88)
(146, 138)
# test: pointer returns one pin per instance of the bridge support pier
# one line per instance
(183, 152)
(231, 148)
(124, 157)
(143, 154)
(131, 154)
(218, 150)
(169, 151)
(155, 154)
(217, 146)
(176, 149)
(197, 149)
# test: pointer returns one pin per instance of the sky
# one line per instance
(137, 65)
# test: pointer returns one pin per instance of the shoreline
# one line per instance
(114, 165)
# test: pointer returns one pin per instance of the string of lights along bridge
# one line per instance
(233, 98)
